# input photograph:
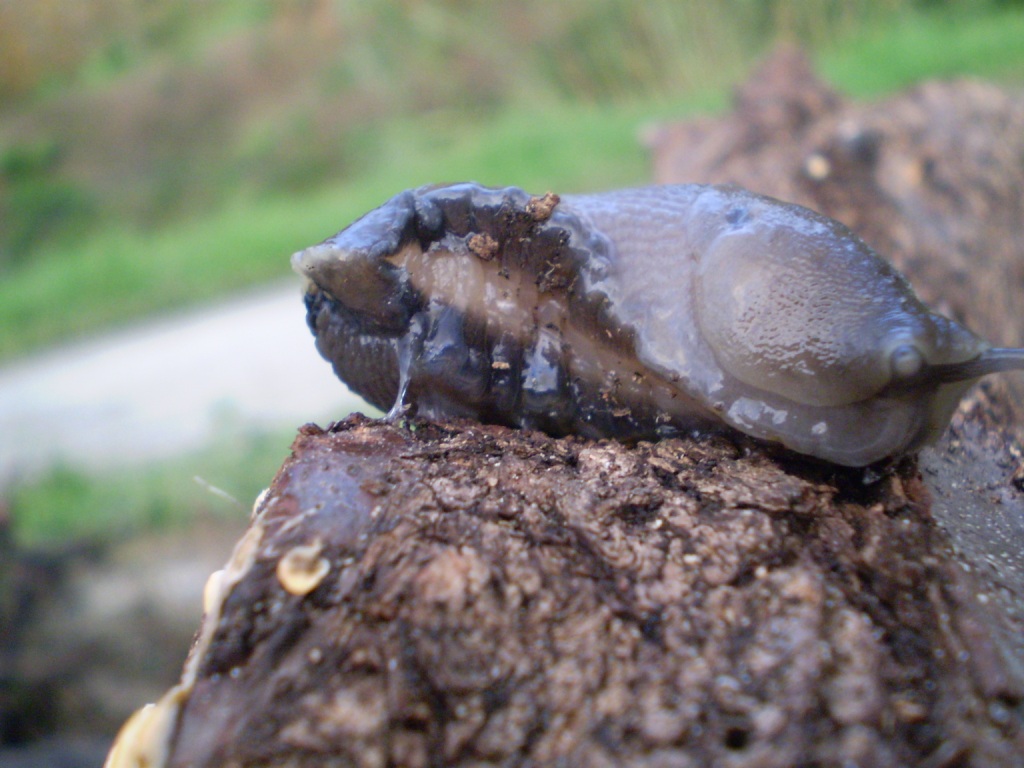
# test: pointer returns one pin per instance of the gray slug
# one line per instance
(638, 313)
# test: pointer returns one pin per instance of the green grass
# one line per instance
(916, 46)
(222, 480)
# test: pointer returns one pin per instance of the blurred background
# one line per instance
(159, 162)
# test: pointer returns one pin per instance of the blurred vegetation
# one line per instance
(158, 153)
(219, 481)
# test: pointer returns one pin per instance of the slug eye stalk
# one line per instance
(995, 360)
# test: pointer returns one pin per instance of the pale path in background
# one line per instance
(168, 386)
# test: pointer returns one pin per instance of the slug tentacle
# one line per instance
(994, 360)
(638, 313)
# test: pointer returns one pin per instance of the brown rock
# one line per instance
(497, 597)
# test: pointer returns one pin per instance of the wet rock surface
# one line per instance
(499, 597)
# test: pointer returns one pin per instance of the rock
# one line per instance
(486, 596)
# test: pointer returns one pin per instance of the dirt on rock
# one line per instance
(498, 597)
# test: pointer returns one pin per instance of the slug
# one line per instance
(638, 314)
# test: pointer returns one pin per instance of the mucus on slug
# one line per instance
(638, 313)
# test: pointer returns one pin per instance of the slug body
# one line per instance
(638, 313)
